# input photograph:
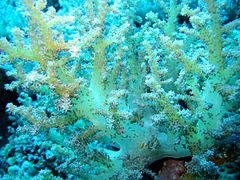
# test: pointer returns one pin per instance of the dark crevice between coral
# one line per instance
(33, 97)
(184, 20)
(167, 168)
(137, 24)
(14, 4)
(5, 97)
(53, 3)
(183, 104)
(232, 11)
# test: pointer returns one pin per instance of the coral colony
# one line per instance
(106, 88)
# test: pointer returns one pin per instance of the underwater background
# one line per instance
(119, 89)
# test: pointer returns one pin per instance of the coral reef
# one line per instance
(107, 87)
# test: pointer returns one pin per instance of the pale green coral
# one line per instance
(115, 84)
